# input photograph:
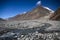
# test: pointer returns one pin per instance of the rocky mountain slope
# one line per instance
(55, 15)
(35, 13)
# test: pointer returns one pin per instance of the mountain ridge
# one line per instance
(35, 13)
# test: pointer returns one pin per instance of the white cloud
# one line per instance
(38, 3)
(24, 12)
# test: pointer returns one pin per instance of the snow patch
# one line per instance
(51, 11)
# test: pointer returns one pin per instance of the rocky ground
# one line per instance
(33, 30)
(44, 24)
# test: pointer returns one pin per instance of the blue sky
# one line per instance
(9, 8)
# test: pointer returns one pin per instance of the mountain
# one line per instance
(1, 20)
(35, 13)
(55, 15)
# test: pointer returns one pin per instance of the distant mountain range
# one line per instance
(1, 20)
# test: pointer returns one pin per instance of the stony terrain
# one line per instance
(46, 24)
